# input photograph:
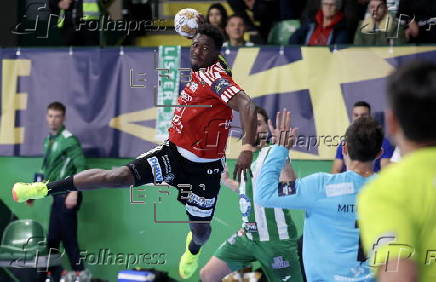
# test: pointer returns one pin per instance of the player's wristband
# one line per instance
(248, 147)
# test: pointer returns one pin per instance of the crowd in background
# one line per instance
(275, 22)
(326, 22)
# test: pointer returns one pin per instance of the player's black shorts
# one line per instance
(198, 183)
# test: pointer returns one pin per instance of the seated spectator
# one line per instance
(235, 30)
(381, 28)
(328, 27)
(354, 11)
(362, 109)
(217, 16)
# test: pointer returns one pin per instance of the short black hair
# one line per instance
(364, 138)
(262, 112)
(362, 104)
(212, 32)
(412, 95)
(235, 16)
(57, 106)
(223, 12)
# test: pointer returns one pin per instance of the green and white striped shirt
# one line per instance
(262, 224)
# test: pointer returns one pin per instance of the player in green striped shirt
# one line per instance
(267, 235)
(397, 210)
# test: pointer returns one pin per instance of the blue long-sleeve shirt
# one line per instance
(331, 237)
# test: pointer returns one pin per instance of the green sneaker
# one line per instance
(188, 262)
(22, 192)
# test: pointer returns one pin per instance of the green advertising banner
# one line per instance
(168, 88)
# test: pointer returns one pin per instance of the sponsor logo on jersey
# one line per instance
(250, 227)
(220, 85)
(167, 164)
(334, 190)
(200, 201)
(286, 189)
(244, 205)
(157, 170)
(185, 96)
(279, 262)
(347, 208)
(286, 278)
(66, 133)
(193, 86)
(195, 211)
(169, 178)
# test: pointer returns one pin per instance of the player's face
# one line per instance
(262, 128)
(377, 10)
(235, 28)
(55, 120)
(215, 17)
(203, 52)
(359, 112)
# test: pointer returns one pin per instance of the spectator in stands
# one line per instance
(217, 16)
(75, 19)
(421, 18)
(266, 12)
(354, 11)
(362, 109)
(326, 28)
(381, 28)
(235, 30)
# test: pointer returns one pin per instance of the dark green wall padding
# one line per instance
(109, 222)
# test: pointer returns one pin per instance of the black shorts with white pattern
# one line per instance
(198, 183)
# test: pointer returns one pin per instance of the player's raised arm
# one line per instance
(283, 136)
(247, 110)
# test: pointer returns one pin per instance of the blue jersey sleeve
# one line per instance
(388, 149)
(339, 153)
(299, 194)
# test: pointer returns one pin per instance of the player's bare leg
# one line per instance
(85, 180)
(214, 271)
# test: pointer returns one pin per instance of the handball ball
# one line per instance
(186, 23)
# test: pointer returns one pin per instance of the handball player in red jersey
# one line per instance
(194, 153)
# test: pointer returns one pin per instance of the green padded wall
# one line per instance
(108, 220)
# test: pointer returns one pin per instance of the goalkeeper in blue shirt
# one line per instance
(331, 246)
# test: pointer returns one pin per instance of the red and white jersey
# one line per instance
(204, 130)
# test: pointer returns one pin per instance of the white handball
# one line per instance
(186, 23)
